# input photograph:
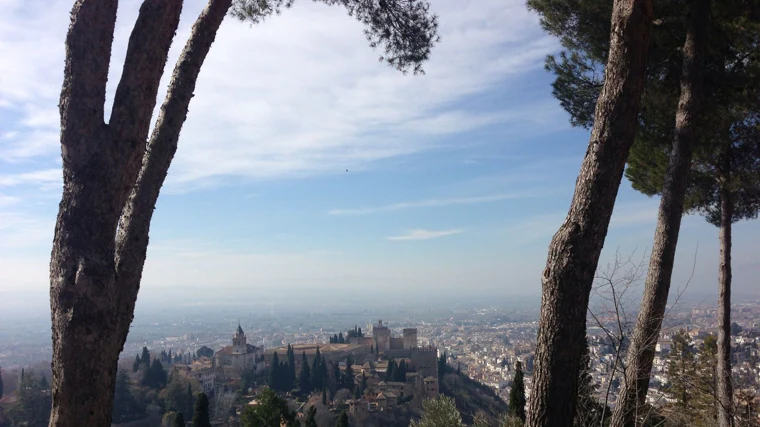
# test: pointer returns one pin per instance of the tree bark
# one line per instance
(725, 387)
(94, 277)
(654, 302)
(575, 249)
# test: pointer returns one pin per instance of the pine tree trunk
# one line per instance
(575, 249)
(110, 186)
(654, 302)
(725, 387)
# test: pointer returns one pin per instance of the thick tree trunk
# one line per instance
(725, 386)
(94, 277)
(575, 249)
(641, 351)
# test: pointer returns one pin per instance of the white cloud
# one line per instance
(424, 234)
(44, 179)
(434, 203)
(8, 200)
(300, 94)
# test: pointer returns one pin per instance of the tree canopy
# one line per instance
(731, 118)
(201, 416)
(517, 398)
(270, 410)
(405, 30)
(205, 352)
(439, 412)
(342, 420)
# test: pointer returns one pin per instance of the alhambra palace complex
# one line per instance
(370, 356)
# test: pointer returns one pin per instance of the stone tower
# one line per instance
(410, 338)
(239, 342)
(382, 337)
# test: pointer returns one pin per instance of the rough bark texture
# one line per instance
(575, 248)
(641, 351)
(94, 276)
(725, 387)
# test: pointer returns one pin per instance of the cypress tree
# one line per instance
(349, 383)
(317, 376)
(190, 404)
(311, 418)
(282, 376)
(124, 404)
(517, 394)
(342, 420)
(158, 374)
(1, 383)
(323, 371)
(145, 356)
(291, 367)
(136, 365)
(336, 376)
(389, 371)
(341, 340)
(304, 375)
(442, 363)
(399, 373)
(364, 382)
(179, 420)
(274, 368)
(201, 417)
(324, 396)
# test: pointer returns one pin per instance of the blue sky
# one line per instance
(456, 180)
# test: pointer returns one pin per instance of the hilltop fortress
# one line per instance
(380, 344)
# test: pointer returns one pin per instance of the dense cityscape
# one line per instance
(484, 345)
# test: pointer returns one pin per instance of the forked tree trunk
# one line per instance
(725, 387)
(654, 302)
(575, 249)
(110, 186)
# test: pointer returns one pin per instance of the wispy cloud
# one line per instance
(250, 117)
(8, 200)
(45, 179)
(431, 203)
(420, 234)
